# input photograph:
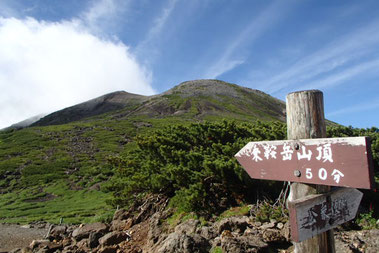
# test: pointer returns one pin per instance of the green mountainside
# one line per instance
(65, 164)
(194, 100)
(62, 159)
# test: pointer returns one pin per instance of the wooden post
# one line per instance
(305, 120)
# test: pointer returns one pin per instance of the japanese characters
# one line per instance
(329, 161)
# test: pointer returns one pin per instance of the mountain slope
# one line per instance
(56, 167)
(199, 99)
(109, 102)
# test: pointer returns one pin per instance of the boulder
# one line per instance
(38, 243)
(246, 244)
(114, 238)
(268, 225)
(238, 224)
(273, 236)
(207, 232)
(85, 230)
(58, 232)
(184, 243)
(121, 225)
(108, 249)
(121, 214)
(187, 227)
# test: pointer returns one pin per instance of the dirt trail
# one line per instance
(15, 236)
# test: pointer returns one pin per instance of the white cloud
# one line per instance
(47, 66)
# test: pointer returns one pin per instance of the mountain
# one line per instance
(25, 123)
(199, 99)
(109, 102)
(57, 167)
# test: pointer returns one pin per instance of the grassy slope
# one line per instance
(53, 172)
(64, 161)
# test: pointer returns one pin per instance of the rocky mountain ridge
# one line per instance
(197, 99)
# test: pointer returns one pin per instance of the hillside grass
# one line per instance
(53, 172)
(65, 161)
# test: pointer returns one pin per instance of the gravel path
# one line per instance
(16, 236)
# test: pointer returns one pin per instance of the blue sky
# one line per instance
(55, 53)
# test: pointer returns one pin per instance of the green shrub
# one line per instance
(193, 164)
(367, 221)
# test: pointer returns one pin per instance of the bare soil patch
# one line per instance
(16, 236)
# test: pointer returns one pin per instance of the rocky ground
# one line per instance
(144, 229)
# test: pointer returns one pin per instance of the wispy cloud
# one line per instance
(6, 10)
(228, 60)
(341, 76)
(339, 53)
(102, 15)
(374, 104)
(155, 31)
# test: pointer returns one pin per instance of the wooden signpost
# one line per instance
(319, 213)
(319, 163)
(335, 161)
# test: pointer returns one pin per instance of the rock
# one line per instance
(121, 214)
(207, 232)
(226, 233)
(26, 250)
(66, 241)
(70, 249)
(184, 243)
(38, 243)
(267, 225)
(113, 238)
(257, 224)
(121, 225)
(155, 231)
(93, 240)
(286, 232)
(187, 227)
(108, 249)
(58, 232)
(273, 221)
(342, 247)
(250, 231)
(83, 245)
(85, 230)
(17, 250)
(246, 244)
(273, 235)
(280, 225)
(238, 224)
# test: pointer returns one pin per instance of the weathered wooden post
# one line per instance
(305, 120)
(313, 163)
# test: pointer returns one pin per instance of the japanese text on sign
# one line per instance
(329, 161)
(259, 153)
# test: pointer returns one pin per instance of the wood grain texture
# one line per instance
(305, 120)
(318, 213)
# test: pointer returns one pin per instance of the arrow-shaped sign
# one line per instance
(331, 161)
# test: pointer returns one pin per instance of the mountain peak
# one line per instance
(196, 99)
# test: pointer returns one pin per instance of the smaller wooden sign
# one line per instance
(315, 214)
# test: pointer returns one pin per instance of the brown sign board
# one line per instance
(315, 214)
(345, 162)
